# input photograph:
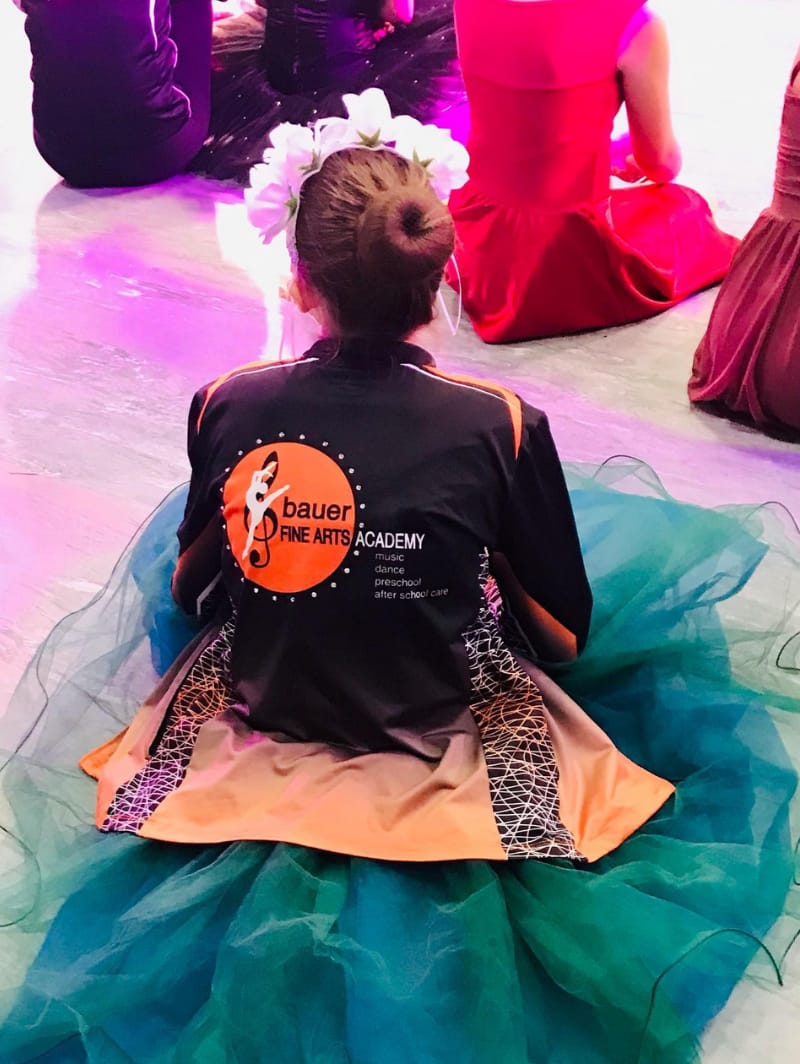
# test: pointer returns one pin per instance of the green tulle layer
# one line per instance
(120, 950)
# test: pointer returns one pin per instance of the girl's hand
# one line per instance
(392, 11)
(623, 164)
(383, 31)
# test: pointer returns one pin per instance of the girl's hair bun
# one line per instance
(405, 235)
(373, 239)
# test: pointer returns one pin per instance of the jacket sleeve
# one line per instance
(202, 503)
(538, 536)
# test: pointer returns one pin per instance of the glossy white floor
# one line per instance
(114, 306)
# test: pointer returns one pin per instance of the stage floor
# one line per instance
(114, 306)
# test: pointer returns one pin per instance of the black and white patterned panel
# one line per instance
(523, 774)
(204, 693)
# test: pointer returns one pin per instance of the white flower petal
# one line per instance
(259, 176)
(292, 141)
(370, 114)
(448, 168)
(269, 208)
(444, 158)
(294, 150)
(333, 134)
(407, 132)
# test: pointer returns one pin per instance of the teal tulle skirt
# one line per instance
(115, 949)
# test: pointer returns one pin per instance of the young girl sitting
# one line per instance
(546, 246)
(129, 92)
(355, 821)
(292, 60)
(121, 88)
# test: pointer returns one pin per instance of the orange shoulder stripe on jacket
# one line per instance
(513, 401)
(247, 367)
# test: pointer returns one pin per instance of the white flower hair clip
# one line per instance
(298, 152)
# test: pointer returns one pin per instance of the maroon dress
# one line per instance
(748, 363)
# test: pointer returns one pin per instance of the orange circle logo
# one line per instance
(289, 516)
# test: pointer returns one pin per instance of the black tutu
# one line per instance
(298, 70)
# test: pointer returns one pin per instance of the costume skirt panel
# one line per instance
(748, 363)
(121, 948)
(525, 273)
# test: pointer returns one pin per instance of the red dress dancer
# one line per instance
(544, 247)
(748, 362)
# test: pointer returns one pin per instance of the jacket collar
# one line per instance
(369, 352)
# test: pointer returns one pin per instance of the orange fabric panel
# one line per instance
(242, 784)
(604, 797)
(395, 806)
(93, 762)
(512, 401)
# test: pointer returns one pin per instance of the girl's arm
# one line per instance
(537, 558)
(644, 72)
(200, 535)
(553, 640)
(198, 568)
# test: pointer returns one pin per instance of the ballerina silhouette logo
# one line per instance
(289, 515)
(260, 520)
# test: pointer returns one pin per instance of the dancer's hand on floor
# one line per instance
(383, 31)
(623, 163)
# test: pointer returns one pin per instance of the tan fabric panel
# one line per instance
(604, 796)
(242, 784)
